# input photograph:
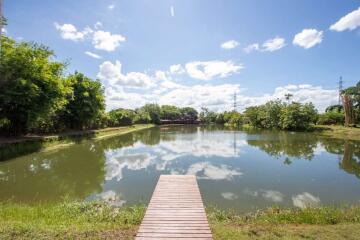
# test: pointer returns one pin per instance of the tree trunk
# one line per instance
(348, 110)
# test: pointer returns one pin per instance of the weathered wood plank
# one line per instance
(175, 211)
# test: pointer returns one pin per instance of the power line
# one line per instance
(235, 101)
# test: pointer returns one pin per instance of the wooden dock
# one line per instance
(175, 211)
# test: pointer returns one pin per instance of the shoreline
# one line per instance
(338, 132)
(99, 220)
(13, 147)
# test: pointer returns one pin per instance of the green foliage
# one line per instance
(85, 104)
(31, 85)
(331, 118)
(121, 117)
(335, 108)
(170, 112)
(233, 118)
(354, 94)
(255, 116)
(279, 115)
(297, 116)
(207, 116)
(150, 112)
(189, 113)
(272, 110)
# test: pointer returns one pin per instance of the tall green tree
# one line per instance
(31, 85)
(121, 117)
(189, 113)
(207, 116)
(152, 110)
(297, 116)
(170, 112)
(86, 102)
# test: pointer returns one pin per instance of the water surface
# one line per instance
(243, 170)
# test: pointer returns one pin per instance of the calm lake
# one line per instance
(243, 170)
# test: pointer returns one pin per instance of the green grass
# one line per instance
(318, 215)
(92, 220)
(328, 222)
(339, 132)
(68, 221)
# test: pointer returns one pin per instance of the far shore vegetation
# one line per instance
(95, 220)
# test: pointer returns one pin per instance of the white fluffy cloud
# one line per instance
(111, 6)
(93, 55)
(107, 41)
(308, 38)
(348, 22)
(230, 44)
(274, 44)
(111, 75)
(211, 69)
(100, 39)
(69, 32)
(269, 45)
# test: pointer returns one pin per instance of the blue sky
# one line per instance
(198, 53)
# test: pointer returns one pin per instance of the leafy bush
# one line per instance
(331, 118)
(297, 116)
(233, 118)
(278, 115)
(121, 117)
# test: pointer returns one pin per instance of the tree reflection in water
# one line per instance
(277, 144)
(304, 145)
(350, 151)
(73, 172)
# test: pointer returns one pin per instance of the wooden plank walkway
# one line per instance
(175, 211)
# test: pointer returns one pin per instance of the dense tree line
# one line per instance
(150, 113)
(289, 116)
(272, 115)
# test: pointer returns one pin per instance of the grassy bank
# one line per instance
(339, 132)
(331, 131)
(101, 221)
(68, 221)
(311, 223)
(12, 147)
